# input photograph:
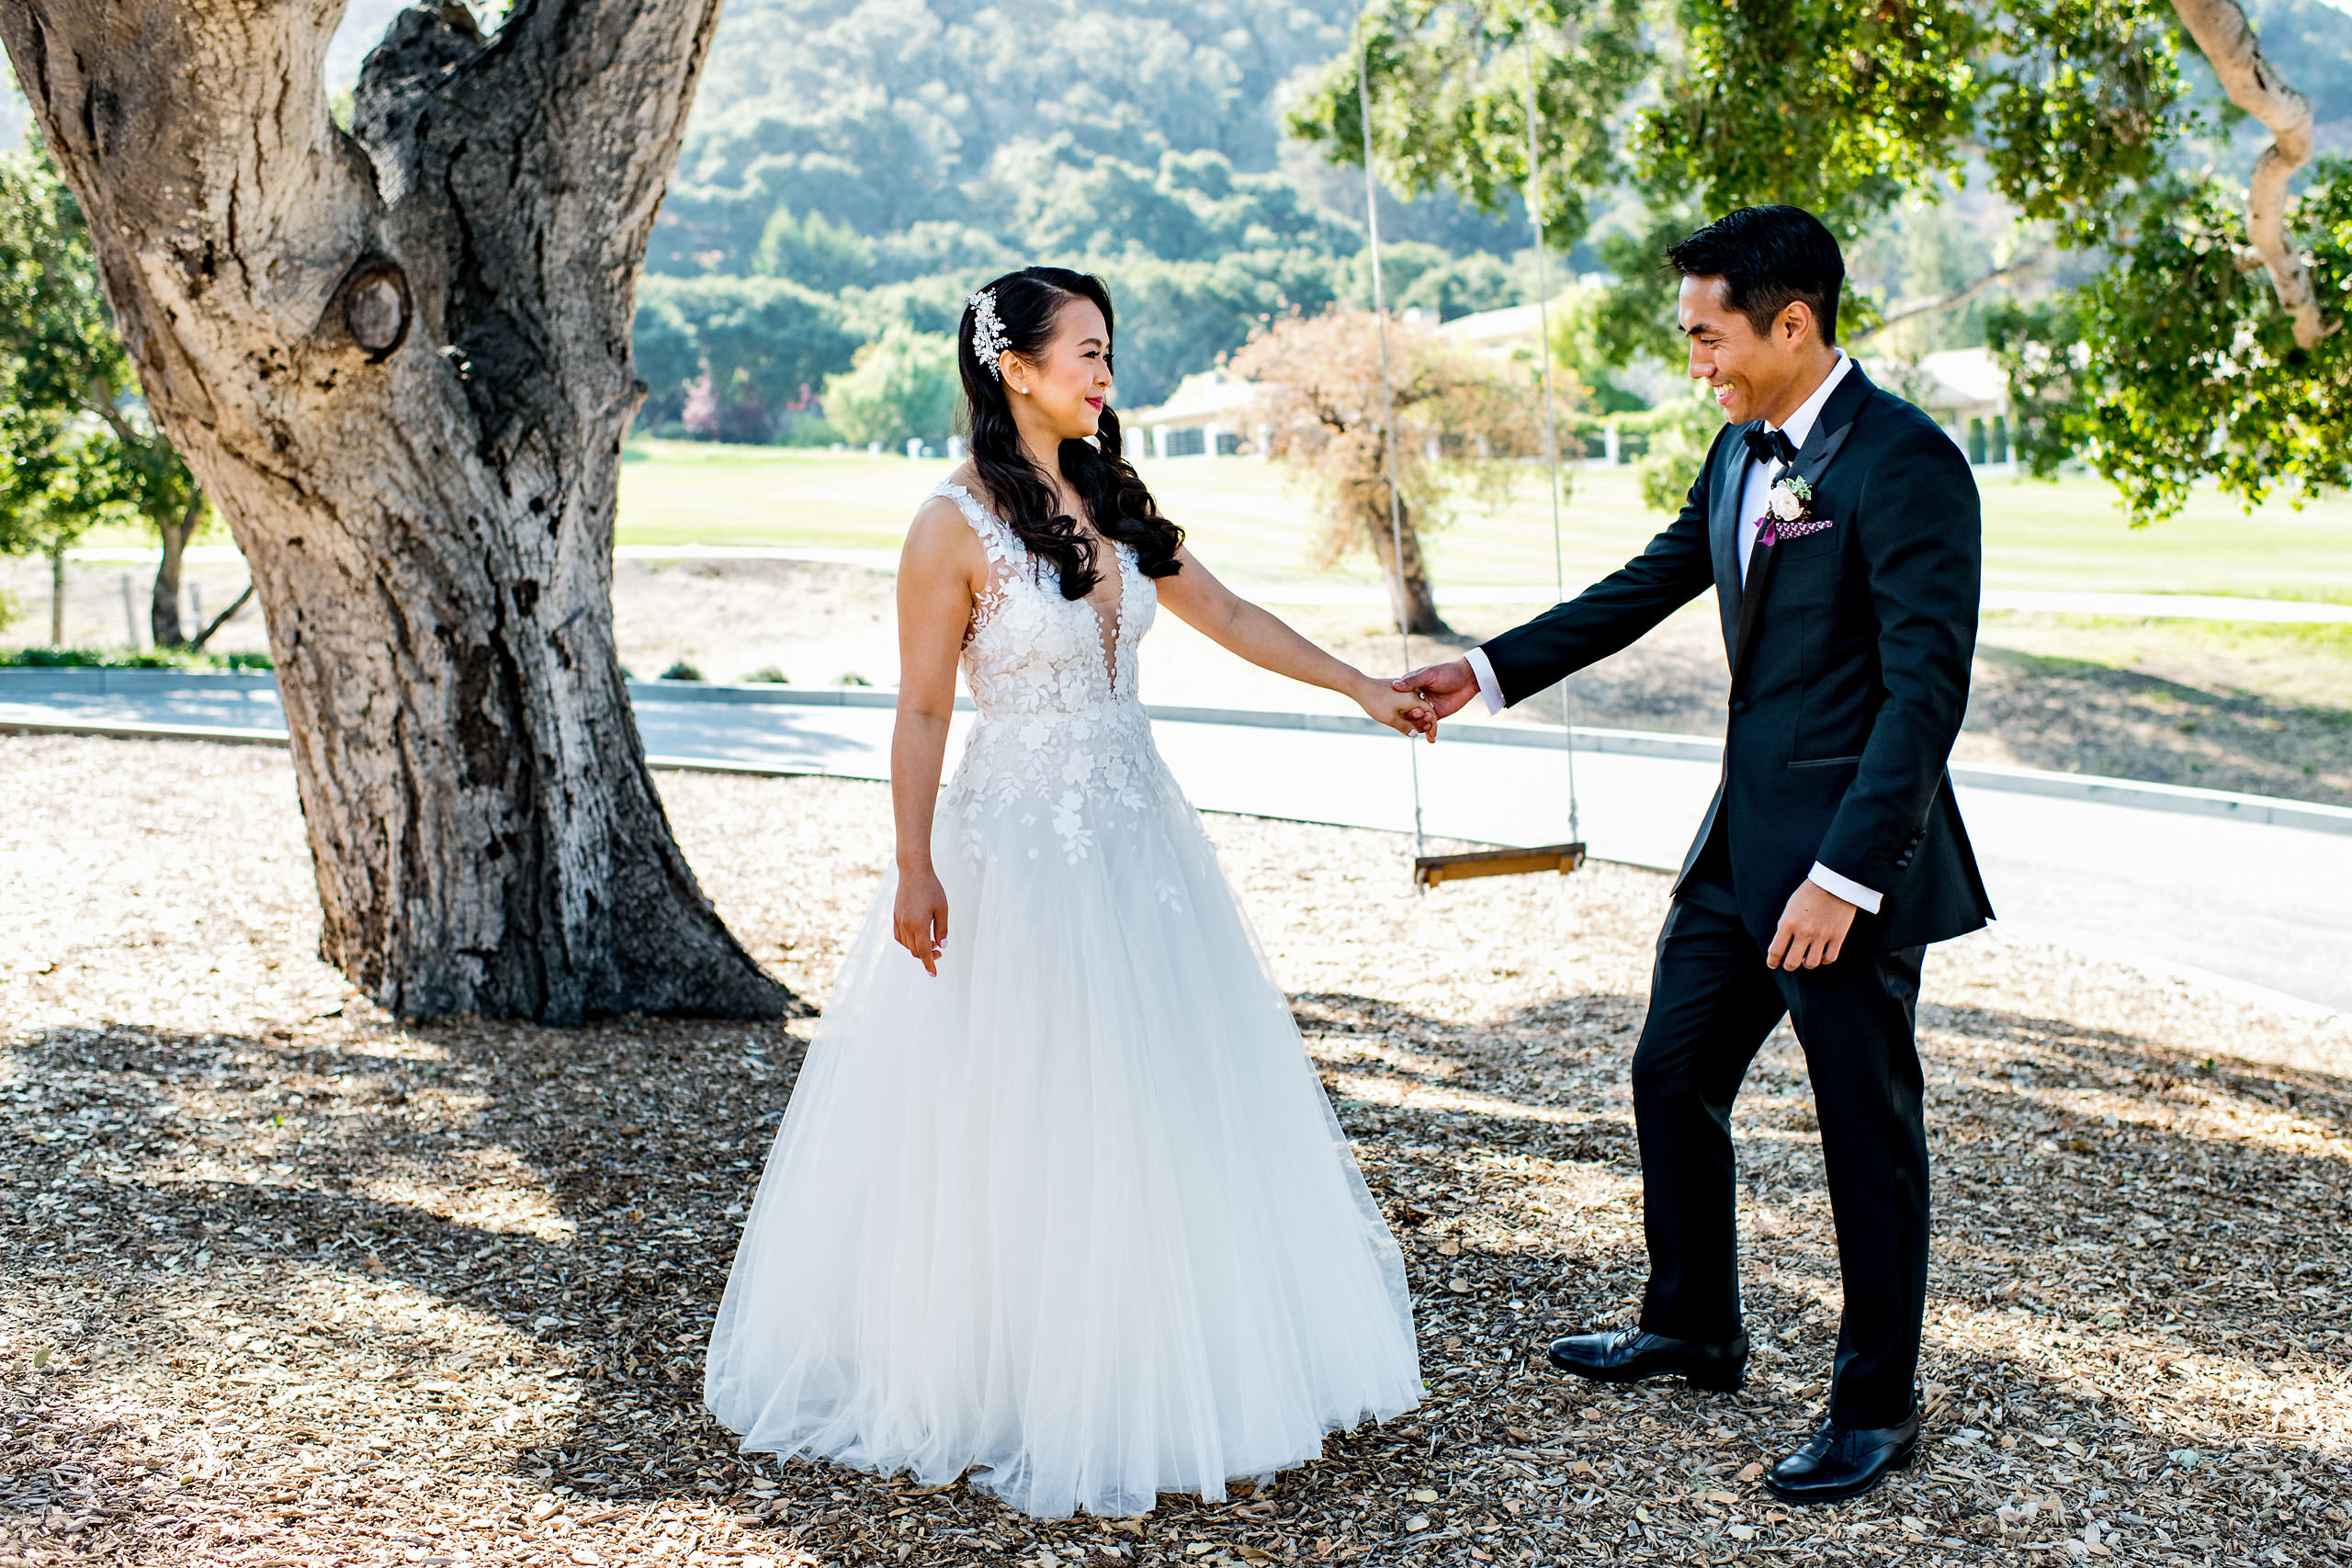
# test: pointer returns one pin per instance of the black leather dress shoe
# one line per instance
(1839, 1462)
(1630, 1354)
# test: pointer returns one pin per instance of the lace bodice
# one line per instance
(1031, 651)
(1061, 727)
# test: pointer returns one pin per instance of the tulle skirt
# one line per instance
(1074, 1217)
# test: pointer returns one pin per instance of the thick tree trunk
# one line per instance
(1410, 602)
(2228, 42)
(398, 361)
(163, 605)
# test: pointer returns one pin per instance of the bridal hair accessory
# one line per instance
(1789, 512)
(988, 333)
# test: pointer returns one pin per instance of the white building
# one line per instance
(1968, 393)
(1207, 416)
(1512, 329)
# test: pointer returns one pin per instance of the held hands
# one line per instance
(919, 920)
(1444, 689)
(1402, 711)
(1812, 928)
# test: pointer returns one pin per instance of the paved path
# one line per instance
(2128, 606)
(2194, 879)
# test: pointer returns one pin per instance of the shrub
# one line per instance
(682, 670)
(127, 659)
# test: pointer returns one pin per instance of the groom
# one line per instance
(1838, 527)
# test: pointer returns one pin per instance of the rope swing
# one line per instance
(1431, 870)
(1387, 411)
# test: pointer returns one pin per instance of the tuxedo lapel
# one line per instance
(1722, 531)
(1829, 433)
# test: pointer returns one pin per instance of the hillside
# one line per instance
(891, 153)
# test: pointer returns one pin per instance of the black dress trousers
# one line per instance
(1713, 1001)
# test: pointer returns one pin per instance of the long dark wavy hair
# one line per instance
(1029, 305)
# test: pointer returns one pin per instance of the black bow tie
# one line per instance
(1770, 445)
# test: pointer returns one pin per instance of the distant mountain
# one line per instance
(1049, 127)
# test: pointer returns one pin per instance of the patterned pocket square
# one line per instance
(1775, 531)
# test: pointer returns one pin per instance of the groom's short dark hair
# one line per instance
(1768, 257)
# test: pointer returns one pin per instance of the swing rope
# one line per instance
(1387, 401)
(1551, 435)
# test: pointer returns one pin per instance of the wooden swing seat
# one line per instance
(1431, 870)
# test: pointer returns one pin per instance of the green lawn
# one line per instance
(1250, 526)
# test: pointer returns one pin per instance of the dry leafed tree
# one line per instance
(398, 359)
(1464, 422)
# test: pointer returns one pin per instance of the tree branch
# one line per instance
(2229, 45)
(98, 399)
(1951, 298)
(196, 644)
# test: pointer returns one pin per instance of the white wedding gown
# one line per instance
(1075, 1215)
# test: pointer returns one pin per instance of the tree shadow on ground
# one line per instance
(2079, 716)
(2129, 1243)
(2136, 1258)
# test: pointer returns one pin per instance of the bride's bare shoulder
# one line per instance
(941, 539)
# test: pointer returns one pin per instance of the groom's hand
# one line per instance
(1812, 928)
(1444, 688)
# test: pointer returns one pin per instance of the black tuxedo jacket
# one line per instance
(1850, 662)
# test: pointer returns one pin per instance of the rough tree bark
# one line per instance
(398, 361)
(2227, 40)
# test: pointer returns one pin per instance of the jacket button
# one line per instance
(1739, 706)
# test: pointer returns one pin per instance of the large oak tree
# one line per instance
(398, 360)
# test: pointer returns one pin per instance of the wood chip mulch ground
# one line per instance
(284, 1281)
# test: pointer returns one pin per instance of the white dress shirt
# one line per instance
(1753, 492)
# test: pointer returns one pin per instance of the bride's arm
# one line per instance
(1234, 624)
(941, 572)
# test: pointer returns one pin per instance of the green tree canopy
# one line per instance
(763, 342)
(2074, 108)
(812, 252)
(903, 386)
(76, 443)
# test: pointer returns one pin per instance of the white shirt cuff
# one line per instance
(1488, 687)
(1846, 887)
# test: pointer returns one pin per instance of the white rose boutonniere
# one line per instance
(1789, 511)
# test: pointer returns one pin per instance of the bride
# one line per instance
(1058, 1201)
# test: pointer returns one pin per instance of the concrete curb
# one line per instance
(111, 729)
(104, 730)
(2268, 810)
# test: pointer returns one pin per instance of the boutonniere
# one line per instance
(1789, 512)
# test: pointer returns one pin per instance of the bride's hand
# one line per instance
(919, 921)
(1408, 713)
